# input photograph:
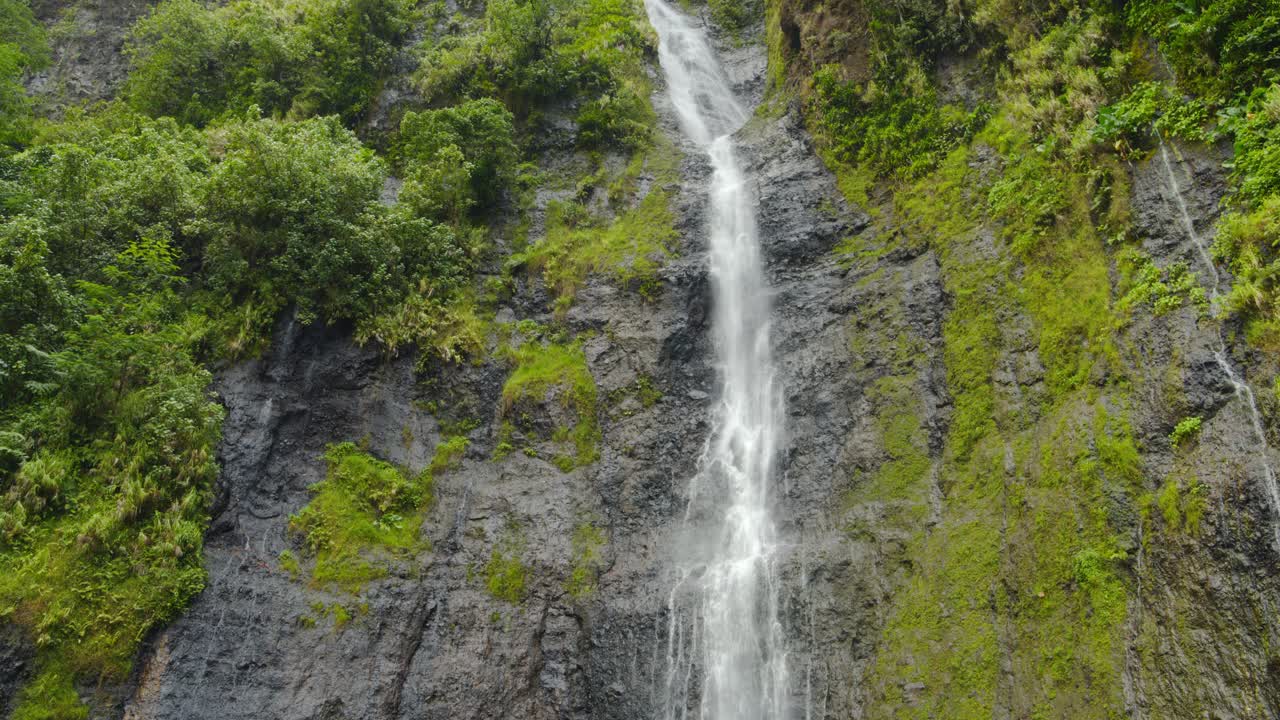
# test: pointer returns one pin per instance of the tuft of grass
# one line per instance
(561, 369)
(1168, 501)
(341, 615)
(587, 543)
(289, 563)
(448, 455)
(505, 576)
(630, 249)
(364, 509)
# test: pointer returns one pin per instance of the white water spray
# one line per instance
(1241, 388)
(726, 656)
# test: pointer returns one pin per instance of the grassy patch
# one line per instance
(505, 574)
(448, 454)
(543, 369)
(587, 543)
(364, 511)
(50, 696)
(629, 249)
(451, 330)
(628, 246)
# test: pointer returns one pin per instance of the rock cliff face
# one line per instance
(1203, 612)
(860, 345)
(432, 642)
(89, 62)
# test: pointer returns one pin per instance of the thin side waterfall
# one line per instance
(1238, 384)
(726, 657)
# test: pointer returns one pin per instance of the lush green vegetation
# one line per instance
(1247, 236)
(298, 58)
(1162, 291)
(525, 51)
(364, 507)
(229, 187)
(107, 429)
(457, 158)
(550, 369)
(1043, 572)
(735, 16)
(22, 49)
(891, 120)
(592, 54)
(1026, 567)
(897, 130)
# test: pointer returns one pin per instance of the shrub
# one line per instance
(532, 51)
(1218, 48)
(312, 57)
(1246, 240)
(22, 49)
(735, 15)
(289, 213)
(103, 182)
(104, 515)
(1186, 429)
(1152, 107)
(457, 158)
(897, 130)
(1256, 165)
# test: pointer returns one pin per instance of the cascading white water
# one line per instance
(726, 651)
(1239, 386)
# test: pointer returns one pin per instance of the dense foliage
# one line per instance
(527, 51)
(457, 158)
(229, 187)
(197, 62)
(1018, 181)
(22, 50)
(108, 443)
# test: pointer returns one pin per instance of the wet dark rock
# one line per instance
(1200, 633)
(89, 63)
(17, 660)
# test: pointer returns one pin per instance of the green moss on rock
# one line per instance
(544, 369)
(365, 512)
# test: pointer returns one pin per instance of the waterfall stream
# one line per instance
(1238, 384)
(726, 656)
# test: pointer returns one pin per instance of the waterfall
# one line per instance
(1239, 386)
(726, 657)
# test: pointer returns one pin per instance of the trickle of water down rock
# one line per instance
(1238, 383)
(726, 650)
